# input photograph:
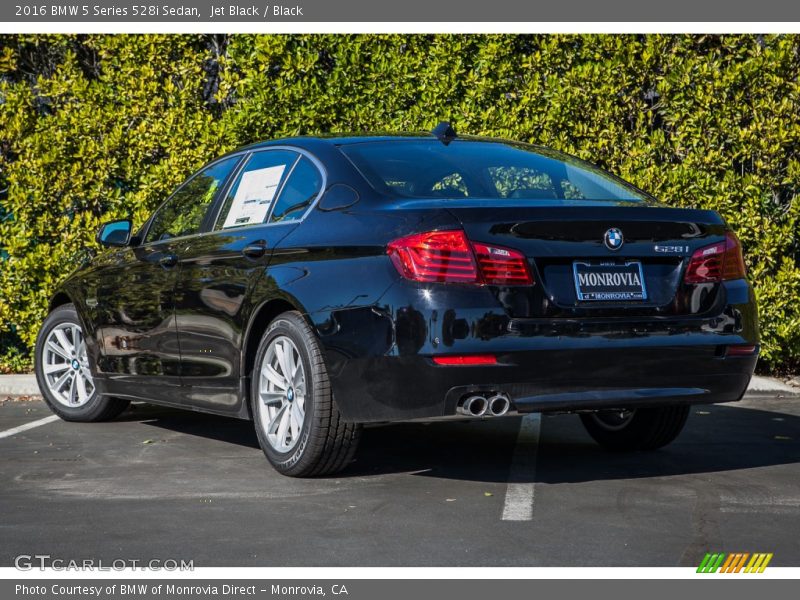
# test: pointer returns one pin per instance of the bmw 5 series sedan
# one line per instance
(313, 285)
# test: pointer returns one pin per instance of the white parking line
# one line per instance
(26, 426)
(519, 493)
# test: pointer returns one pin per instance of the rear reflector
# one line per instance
(449, 257)
(718, 262)
(465, 359)
(741, 350)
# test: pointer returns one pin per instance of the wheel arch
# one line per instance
(261, 317)
(60, 298)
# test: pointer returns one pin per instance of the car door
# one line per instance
(135, 293)
(267, 198)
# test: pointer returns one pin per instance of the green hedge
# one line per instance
(94, 127)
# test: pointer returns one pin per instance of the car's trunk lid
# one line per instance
(566, 241)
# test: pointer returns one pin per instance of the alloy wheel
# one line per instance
(66, 366)
(282, 394)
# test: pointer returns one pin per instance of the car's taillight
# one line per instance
(502, 266)
(441, 256)
(742, 350)
(718, 262)
(449, 257)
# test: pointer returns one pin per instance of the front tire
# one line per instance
(297, 421)
(63, 372)
(638, 429)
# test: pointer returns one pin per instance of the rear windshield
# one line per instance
(477, 169)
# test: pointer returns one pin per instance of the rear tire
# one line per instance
(641, 429)
(63, 373)
(297, 421)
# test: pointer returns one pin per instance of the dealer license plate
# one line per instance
(612, 282)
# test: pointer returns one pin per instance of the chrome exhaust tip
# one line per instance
(474, 406)
(499, 404)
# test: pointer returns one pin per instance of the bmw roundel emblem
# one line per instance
(613, 239)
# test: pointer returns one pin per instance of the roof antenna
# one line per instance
(444, 132)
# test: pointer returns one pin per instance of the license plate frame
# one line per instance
(630, 293)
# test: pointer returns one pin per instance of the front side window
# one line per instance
(185, 210)
(483, 170)
(249, 199)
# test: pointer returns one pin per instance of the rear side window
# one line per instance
(251, 196)
(479, 169)
(303, 185)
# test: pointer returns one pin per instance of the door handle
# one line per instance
(168, 261)
(255, 250)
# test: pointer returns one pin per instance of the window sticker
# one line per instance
(253, 196)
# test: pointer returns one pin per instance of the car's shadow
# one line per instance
(223, 429)
(716, 438)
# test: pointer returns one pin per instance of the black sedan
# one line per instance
(316, 284)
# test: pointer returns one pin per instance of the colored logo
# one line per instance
(613, 239)
(737, 562)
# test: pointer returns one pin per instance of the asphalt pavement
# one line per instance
(162, 484)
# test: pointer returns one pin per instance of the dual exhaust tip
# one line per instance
(495, 405)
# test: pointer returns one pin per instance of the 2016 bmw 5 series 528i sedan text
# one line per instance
(317, 284)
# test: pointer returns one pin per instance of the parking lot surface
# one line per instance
(164, 484)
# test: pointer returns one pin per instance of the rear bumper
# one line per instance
(403, 388)
(380, 365)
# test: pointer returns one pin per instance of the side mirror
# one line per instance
(115, 233)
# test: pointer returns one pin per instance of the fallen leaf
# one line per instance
(147, 442)
(488, 494)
